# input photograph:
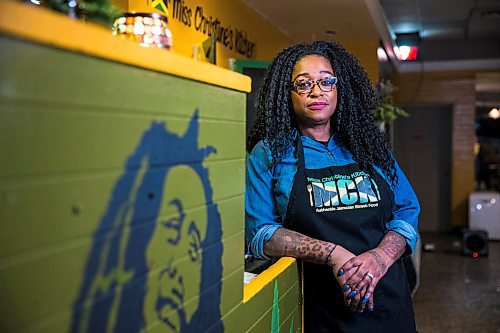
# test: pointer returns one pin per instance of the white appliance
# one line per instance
(484, 213)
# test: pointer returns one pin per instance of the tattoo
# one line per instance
(329, 255)
(379, 260)
(289, 243)
(393, 245)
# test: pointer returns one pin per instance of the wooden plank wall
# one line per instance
(121, 201)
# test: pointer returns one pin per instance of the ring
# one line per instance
(370, 275)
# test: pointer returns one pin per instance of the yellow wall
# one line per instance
(233, 15)
(366, 51)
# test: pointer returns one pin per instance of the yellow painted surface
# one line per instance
(231, 13)
(48, 27)
(366, 51)
(266, 277)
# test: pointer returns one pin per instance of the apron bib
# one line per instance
(347, 206)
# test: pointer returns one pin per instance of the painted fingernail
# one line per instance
(346, 288)
(371, 308)
(352, 294)
(365, 300)
(340, 272)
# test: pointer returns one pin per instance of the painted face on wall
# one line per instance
(175, 252)
(314, 95)
(146, 267)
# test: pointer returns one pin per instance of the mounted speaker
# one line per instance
(475, 243)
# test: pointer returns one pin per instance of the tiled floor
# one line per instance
(457, 294)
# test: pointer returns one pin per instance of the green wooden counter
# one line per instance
(122, 188)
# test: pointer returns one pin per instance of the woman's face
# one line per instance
(314, 107)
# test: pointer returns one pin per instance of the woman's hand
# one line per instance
(338, 258)
(361, 274)
(359, 277)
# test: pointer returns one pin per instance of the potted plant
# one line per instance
(98, 11)
(387, 111)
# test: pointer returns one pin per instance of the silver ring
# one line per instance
(370, 275)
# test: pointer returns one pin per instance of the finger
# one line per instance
(356, 299)
(356, 279)
(349, 297)
(364, 302)
(347, 301)
(363, 299)
(364, 283)
(346, 275)
(349, 264)
(346, 289)
(370, 304)
(349, 268)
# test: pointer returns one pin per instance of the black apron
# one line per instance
(347, 206)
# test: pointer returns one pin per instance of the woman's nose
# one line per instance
(315, 90)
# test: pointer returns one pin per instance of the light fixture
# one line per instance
(494, 114)
(381, 55)
(407, 46)
(148, 29)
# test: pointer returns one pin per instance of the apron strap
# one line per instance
(298, 182)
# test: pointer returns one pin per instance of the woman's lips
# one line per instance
(317, 106)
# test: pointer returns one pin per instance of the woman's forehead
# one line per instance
(312, 64)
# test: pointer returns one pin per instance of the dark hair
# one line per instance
(352, 120)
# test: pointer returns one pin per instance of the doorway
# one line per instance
(422, 146)
(256, 70)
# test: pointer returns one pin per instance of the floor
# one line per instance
(457, 294)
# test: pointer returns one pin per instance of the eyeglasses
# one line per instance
(302, 87)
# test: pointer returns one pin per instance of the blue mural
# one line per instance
(158, 246)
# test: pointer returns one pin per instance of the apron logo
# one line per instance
(343, 192)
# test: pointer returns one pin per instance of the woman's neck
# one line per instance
(319, 133)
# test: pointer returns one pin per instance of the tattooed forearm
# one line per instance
(393, 245)
(289, 243)
(379, 260)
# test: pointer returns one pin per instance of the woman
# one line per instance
(323, 187)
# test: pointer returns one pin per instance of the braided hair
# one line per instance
(352, 120)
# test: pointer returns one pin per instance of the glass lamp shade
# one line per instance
(148, 29)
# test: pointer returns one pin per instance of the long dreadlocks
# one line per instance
(352, 120)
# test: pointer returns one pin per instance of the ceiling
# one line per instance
(450, 30)
(453, 34)
(444, 19)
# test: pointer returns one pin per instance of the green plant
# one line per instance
(387, 111)
(99, 11)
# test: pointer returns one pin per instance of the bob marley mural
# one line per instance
(155, 258)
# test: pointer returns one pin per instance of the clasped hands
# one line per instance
(359, 275)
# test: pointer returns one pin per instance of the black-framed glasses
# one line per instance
(302, 86)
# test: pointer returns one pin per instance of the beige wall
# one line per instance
(457, 89)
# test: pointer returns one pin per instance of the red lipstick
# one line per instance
(317, 105)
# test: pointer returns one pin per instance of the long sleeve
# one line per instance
(406, 210)
(261, 212)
